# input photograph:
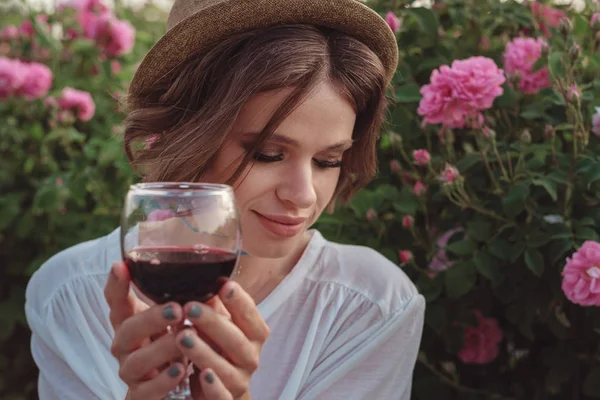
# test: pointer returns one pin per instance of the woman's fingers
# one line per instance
(227, 337)
(159, 387)
(122, 302)
(143, 325)
(212, 386)
(145, 362)
(243, 312)
(203, 357)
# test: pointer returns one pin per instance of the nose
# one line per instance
(297, 186)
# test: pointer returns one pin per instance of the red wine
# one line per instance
(179, 274)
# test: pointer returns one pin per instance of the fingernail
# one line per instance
(209, 377)
(194, 311)
(230, 294)
(174, 371)
(168, 313)
(187, 341)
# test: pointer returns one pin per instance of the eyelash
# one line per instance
(260, 157)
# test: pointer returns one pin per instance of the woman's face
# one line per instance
(294, 175)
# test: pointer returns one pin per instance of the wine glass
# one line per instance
(180, 242)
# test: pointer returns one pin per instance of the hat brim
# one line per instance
(207, 26)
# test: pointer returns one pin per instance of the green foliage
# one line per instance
(525, 200)
(61, 182)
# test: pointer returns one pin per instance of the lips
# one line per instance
(281, 225)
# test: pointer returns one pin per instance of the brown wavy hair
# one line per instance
(189, 115)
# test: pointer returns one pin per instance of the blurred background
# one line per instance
(481, 216)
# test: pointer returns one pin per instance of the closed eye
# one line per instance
(269, 158)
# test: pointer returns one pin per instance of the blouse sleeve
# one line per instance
(71, 337)
(370, 360)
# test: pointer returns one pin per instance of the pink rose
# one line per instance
(440, 261)
(519, 57)
(421, 156)
(392, 21)
(371, 214)
(37, 82)
(581, 275)
(10, 32)
(449, 175)
(481, 341)
(419, 188)
(79, 100)
(84, 5)
(160, 215)
(26, 29)
(546, 16)
(116, 37)
(596, 122)
(408, 221)
(12, 75)
(395, 166)
(595, 17)
(456, 95)
(405, 256)
(573, 92)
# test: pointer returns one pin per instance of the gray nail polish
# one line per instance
(187, 341)
(174, 371)
(194, 311)
(209, 378)
(168, 313)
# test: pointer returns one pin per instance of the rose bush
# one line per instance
(489, 195)
(63, 173)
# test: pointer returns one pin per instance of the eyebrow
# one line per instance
(278, 138)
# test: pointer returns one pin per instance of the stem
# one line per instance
(498, 189)
(504, 173)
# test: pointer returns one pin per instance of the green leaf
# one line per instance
(460, 279)
(586, 233)
(508, 97)
(488, 266)
(514, 202)
(408, 93)
(548, 185)
(426, 19)
(479, 230)
(407, 202)
(538, 238)
(534, 261)
(591, 384)
(362, 202)
(430, 288)
(539, 64)
(591, 175)
(500, 248)
(516, 250)
(462, 247)
(555, 65)
(467, 162)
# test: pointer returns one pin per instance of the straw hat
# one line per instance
(195, 24)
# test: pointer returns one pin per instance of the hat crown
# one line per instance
(182, 9)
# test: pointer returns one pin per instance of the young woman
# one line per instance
(282, 99)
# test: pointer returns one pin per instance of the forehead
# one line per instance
(325, 117)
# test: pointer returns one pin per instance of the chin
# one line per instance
(264, 247)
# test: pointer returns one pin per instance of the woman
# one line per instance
(282, 99)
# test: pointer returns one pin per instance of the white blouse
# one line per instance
(346, 323)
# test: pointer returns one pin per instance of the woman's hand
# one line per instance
(225, 372)
(141, 345)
